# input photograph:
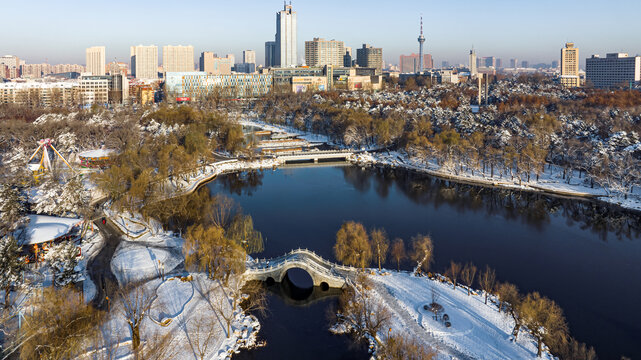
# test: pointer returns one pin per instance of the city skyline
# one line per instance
(450, 31)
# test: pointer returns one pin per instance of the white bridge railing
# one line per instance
(300, 256)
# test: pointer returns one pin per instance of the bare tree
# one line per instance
(352, 246)
(59, 327)
(487, 279)
(158, 345)
(223, 210)
(422, 252)
(137, 301)
(360, 312)
(379, 244)
(402, 347)
(511, 300)
(545, 320)
(453, 272)
(398, 252)
(467, 274)
(228, 302)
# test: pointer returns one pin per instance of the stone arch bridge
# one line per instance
(323, 272)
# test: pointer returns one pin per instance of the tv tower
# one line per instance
(421, 40)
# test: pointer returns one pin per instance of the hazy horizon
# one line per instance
(534, 32)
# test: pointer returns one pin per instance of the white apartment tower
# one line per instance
(473, 69)
(286, 51)
(249, 57)
(95, 57)
(144, 62)
(177, 58)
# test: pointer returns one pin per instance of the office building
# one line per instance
(473, 65)
(249, 57)
(616, 69)
(270, 54)
(321, 52)
(211, 64)
(144, 62)
(177, 58)
(348, 58)
(95, 60)
(411, 63)
(514, 63)
(286, 52)
(570, 66)
(370, 57)
(197, 85)
(245, 68)
(525, 64)
(499, 63)
(489, 62)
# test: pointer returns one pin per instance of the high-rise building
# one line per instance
(473, 65)
(212, 64)
(411, 63)
(13, 66)
(249, 57)
(370, 57)
(286, 52)
(615, 69)
(570, 66)
(525, 64)
(499, 63)
(144, 61)
(270, 53)
(177, 58)
(489, 61)
(347, 58)
(445, 64)
(95, 56)
(514, 63)
(321, 52)
(421, 40)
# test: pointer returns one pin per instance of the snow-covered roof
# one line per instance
(96, 153)
(42, 228)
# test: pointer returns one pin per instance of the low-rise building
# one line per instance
(198, 85)
(309, 83)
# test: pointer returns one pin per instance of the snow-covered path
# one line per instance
(478, 330)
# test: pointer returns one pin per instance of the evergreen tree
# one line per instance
(63, 259)
(11, 266)
(12, 208)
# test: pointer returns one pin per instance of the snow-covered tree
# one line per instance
(11, 266)
(54, 198)
(63, 260)
(12, 208)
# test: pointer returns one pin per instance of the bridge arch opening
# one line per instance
(298, 283)
(270, 281)
(324, 286)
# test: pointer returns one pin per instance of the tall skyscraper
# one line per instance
(421, 40)
(321, 52)
(286, 52)
(473, 68)
(249, 57)
(570, 66)
(514, 63)
(270, 53)
(95, 57)
(144, 61)
(370, 57)
(177, 58)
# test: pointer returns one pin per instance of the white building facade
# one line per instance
(615, 69)
(144, 62)
(95, 60)
(286, 51)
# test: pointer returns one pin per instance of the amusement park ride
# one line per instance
(45, 146)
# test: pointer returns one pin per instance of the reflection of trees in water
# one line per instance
(533, 209)
(242, 183)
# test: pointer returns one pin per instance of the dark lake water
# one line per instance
(583, 255)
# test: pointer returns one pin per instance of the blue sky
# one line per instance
(533, 30)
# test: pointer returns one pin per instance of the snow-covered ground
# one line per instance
(254, 121)
(182, 309)
(477, 331)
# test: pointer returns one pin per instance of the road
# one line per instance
(99, 267)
